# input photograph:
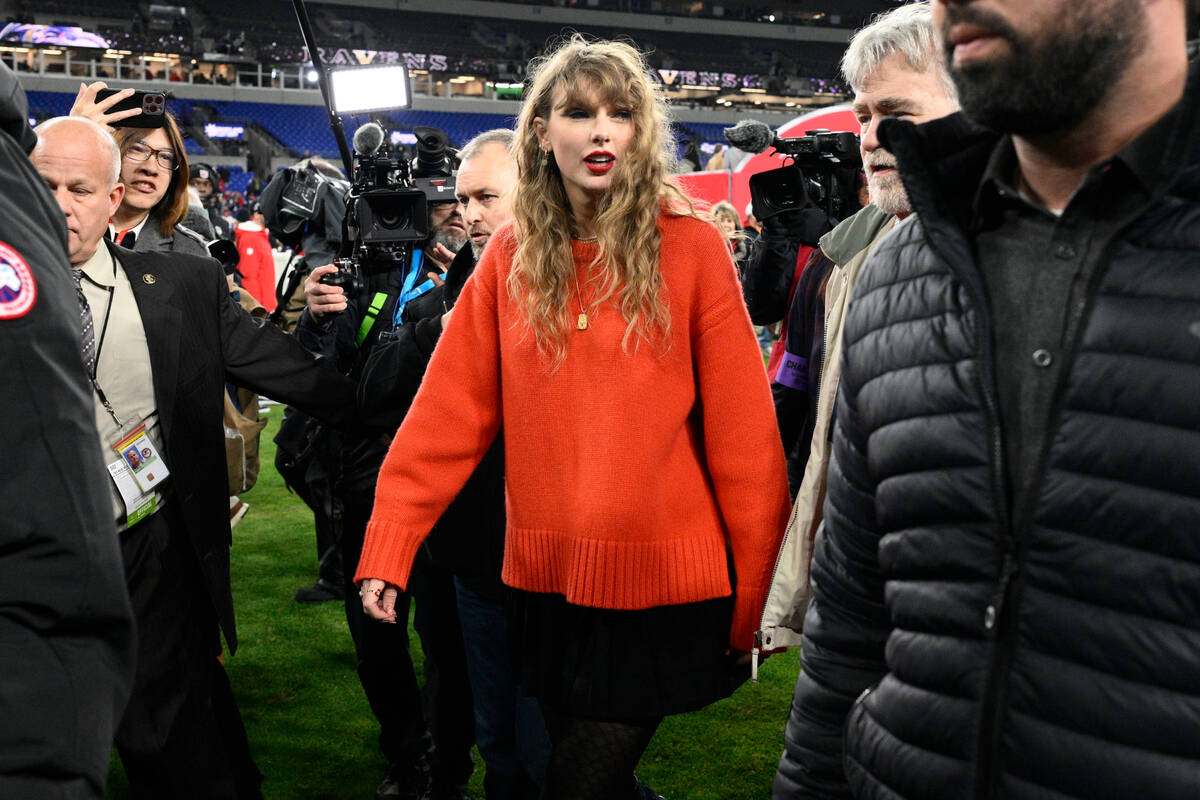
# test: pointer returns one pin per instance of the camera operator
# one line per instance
(348, 327)
(772, 268)
(318, 235)
(469, 536)
(806, 381)
(796, 205)
(449, 233)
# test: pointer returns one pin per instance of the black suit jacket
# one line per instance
(198, 337)
(66, 630)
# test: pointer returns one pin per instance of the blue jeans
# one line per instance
(509, 729)
(765, 338)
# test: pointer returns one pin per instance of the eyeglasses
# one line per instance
(140, 152)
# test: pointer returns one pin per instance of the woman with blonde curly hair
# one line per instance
(726, 217)
(605, 332)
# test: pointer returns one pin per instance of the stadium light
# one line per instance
(357, 90)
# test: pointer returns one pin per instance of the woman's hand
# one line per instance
(86, 106)
(379, 599)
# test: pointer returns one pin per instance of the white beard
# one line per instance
(887, 193)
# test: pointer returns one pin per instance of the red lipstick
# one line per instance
(599, 161)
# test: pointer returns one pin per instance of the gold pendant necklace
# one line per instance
(581, 322)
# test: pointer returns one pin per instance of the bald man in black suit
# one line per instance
(166, 338)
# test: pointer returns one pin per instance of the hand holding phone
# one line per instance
(119, 107)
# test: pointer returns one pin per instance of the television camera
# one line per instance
(818, 186)
(372, 222)
(387, 205)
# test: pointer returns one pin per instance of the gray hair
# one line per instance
(907, 30)
(502, 136)
(102, 133)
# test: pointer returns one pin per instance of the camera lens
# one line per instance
(392, 217)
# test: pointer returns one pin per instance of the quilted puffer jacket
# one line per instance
(948, 653)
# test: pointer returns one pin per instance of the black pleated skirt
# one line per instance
(616, 665)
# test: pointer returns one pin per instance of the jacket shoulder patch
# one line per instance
(18, 289)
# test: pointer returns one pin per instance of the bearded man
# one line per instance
(1006, 586)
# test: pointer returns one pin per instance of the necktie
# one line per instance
(126, 238)
(88, 349)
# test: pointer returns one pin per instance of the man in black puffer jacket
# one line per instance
(1007, 586)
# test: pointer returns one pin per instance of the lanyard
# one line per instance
(407, 292)
(100, 346)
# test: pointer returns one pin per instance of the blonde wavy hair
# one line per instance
(582, 71)
(725, 209)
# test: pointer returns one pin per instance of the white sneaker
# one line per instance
(237, 510)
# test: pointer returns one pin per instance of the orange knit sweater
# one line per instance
(630, 475)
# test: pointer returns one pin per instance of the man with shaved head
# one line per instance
(160, 337)
(83, 170)
(469, 538)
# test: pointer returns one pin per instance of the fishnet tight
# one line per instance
(594, 759)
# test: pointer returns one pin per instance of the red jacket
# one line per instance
(257, 265)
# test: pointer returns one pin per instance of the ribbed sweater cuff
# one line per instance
(747, 614)
(388, 553)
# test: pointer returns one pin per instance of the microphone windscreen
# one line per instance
(750, 135)
(368, 138)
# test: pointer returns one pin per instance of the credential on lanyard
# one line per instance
(407, 292)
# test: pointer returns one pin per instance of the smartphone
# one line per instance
(153, 106)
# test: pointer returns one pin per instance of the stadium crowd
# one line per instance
(222, 42)
(526, 404)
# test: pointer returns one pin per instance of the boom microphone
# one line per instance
(368, 138)
(748, 135)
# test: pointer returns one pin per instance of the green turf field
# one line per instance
(314, 737)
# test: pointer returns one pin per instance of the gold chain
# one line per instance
(581, 322)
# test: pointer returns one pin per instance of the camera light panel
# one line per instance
(357, 90)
